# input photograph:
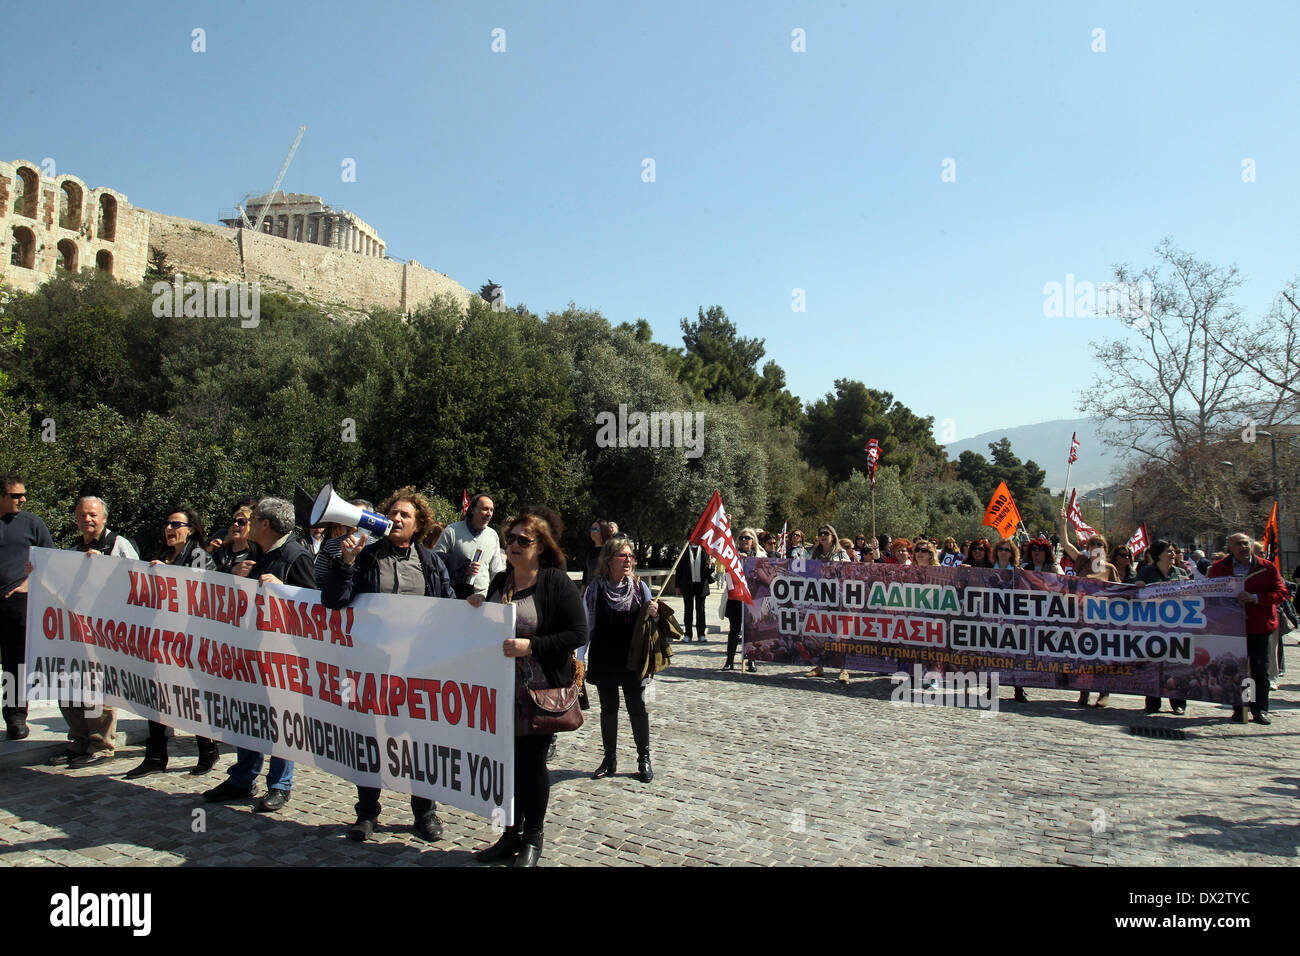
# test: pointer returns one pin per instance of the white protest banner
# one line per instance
(405, 693)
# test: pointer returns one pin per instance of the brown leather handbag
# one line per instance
(550, 710)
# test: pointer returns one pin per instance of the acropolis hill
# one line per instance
(305, 247)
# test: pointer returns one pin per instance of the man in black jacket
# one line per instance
(398, 564)
(694, 575)
(284, 560)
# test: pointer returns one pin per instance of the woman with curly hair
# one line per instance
(979, 554)
(1006, 555)
(396, 564)
(549, 627)
(1040, 557)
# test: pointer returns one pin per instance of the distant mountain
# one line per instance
(1048, 444)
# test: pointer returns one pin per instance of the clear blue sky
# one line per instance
(775, 170)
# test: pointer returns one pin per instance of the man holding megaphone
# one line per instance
(396, 564)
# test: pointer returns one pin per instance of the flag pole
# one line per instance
(669, 576)
(873, 512)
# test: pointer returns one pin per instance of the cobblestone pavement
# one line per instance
(766, 769)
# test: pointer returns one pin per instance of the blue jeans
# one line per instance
(248, 764)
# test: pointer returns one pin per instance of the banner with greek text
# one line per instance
(399, 692)
(1184, 639)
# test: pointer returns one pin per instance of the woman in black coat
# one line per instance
(549, 627)
(183, 539)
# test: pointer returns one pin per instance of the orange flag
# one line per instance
(1002, 513)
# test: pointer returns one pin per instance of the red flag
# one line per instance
(1002, 513)
(1082, 530)
(464, 500)
(1270, 535)
(713, 533)
(1074, 448)
(1140, 540)
(873, 457)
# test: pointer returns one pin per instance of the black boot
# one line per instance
(155, 760)
(504, 849)
(643, 770)
(608, 767)
(208, 753)
(530, 850)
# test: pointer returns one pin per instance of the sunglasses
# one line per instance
(1001, 550)
(521, 539)
(745, 537)
(239, 522)
(595, 528)
(978, 547)
(823, 534)
(176, 524)
(14, 494)
(625, 556)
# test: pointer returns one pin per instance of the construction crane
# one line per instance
(278, 179)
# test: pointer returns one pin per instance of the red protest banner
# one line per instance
(713, 533)
(1140, 540)
(1082, 530)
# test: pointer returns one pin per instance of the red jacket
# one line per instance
(1265, 582)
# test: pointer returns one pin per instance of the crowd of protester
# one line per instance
(561, 629)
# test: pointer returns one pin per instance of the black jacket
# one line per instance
(684, 582)
(561, 623)
(343, 582)
(292, 563)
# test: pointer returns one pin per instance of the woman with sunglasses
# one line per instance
(1041, 557)
(747, 543)
(182, 545)
(794, 545)
(980, 554)
(237, 547)
(1122, 558)
(924, 555)
(1006, 556)
(828, 549)
(1163, 566)
(549, 627)
(613, 602)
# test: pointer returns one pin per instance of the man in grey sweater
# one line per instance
(471, 550)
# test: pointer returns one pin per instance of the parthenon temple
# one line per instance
(303, 218)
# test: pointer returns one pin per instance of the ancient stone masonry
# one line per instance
(305, 248)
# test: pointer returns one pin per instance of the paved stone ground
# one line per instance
(763, 769)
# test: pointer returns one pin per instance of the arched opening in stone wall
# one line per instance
(69, 205)
(67, 255)
(23, 253)
(104, 261)
(107, 218)
(27, 192)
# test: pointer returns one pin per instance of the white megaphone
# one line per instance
(330, 507)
